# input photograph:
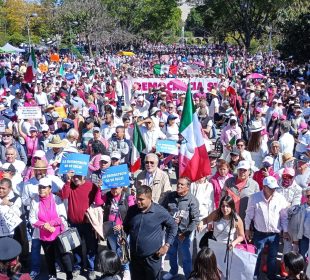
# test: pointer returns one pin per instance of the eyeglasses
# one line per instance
(149, 162)
(6, 135)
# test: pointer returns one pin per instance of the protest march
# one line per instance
(193, 156)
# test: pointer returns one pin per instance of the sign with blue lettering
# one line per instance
(167, 147)
(74, 162)
(115, 176)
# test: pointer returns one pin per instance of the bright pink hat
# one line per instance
(302, 126)
(28, 95)
(289, 171)
(275, 114)
(282, 117)
(258, 110)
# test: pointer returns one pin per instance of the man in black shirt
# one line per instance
(146, 223)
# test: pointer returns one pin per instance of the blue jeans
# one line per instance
(35, 255)
(89, 239)
(304, 246)
(184, 246)
(114, 246)
(272, 240)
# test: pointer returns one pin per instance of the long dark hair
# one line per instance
(229, 200)
(296, 264)
(110, 263)
(205, 267)
(98, 147)
(255, 141)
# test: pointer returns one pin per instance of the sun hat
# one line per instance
(255, 127)
(9, 249)
(154, 110)
(46, 182)
(287, 157)
(8, 131)
(56, 142)
(40, 164)
(270, 182)
(116, 154)
(302, 126)
(244, 164)
(213, 92)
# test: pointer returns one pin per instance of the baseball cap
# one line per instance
(235, 151)
(116, 155)
(8, 167)
(244, 164)
(140, 98)
(33, 128)
(268, 160)
(44, 127)
(270, 182)
(289, 171)
(96, 129)
(302, 126)
(89, 120)
(275, 114)
(46, 182)
(171, 117)
(39, 154)
(105, 158)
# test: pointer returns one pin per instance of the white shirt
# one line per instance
(287, 143)
(304, 140)
(213, 107)
(268, 216)
(41, 99)
(150, 137)
(30, 188)
(107, 130)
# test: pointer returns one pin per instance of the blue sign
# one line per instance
(167, 147)
(69, 76)
(74, 162)
(115, 176)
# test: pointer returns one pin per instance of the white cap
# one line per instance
(270, 182)
(105, 158)
(45, 182)
(140, 98)
(44, 127)
(116, 154)
(268, 159)
(39, 154)
(244, 164)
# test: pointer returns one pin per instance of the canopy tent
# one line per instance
(8, 48)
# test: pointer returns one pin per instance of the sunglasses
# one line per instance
(6, 135)
(104, 162)
(148, 122)
(308, 196)
(43, 187)
(149, 162)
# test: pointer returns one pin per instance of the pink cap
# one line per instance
(282, 117)
(302, 126)
(28, 95)
(275, 114)
(258, 110)
(289, 171)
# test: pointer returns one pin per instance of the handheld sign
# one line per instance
(2, 126)
(74, 162)
(167, 147)
(8, 222)
(27, 113)
(115, 176)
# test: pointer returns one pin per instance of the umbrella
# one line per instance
(179, 84)
(124, 53)
(255, 76)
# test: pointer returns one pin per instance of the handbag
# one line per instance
(68, 240)
(250, 248)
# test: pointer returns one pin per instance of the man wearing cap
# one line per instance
(10, 157)
(45, 137)
(269, 221)
(143, 106)
(9, 141)
(240, 187)
(120, 144)
(66, 125)
(76, 101)
(273, 109)
(265, 171)
(87, 132)
(105, 162)
(303, 140)
(81, 194)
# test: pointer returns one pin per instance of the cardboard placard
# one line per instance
(115, 176)
(74, 162)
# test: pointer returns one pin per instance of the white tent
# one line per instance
(8, 48)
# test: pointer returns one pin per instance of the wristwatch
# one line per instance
(167, 245)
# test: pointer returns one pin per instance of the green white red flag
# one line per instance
(193, 158)
(31, 67)
(137, 148)
(163, 69)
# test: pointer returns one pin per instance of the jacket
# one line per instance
(160, 184)
(217, 188)
(186, 208)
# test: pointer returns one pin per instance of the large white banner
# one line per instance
(144, 84)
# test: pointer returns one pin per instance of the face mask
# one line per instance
(286, 182)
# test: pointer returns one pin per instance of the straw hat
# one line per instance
(287, 157)
(56, 142)
(40, 164)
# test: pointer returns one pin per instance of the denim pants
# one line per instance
(184, 247)
(304, 246)
(114, 246)
(88, 237)
(35, 255)
(272, 240)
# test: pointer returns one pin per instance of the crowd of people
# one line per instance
(256, 132)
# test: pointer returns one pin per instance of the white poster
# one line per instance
(241, 263)
(2, 126)
(8, 222)
(27, 113)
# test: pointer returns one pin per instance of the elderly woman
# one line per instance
(240, 187)
(46, 216)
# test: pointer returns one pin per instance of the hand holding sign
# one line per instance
(115, 176)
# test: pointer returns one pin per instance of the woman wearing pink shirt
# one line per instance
(46, 213)
(116, 203)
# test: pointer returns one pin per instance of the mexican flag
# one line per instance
(31, 67)
(138, 147)
(160, 69)
(3, 81)
(226, 63)
(193, 158)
